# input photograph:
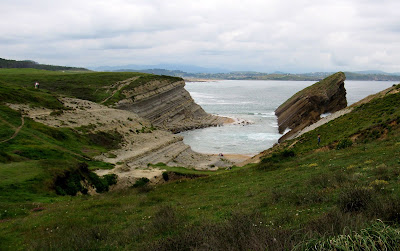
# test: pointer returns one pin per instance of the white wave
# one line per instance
(263, 136)
(286, 131)
(274, 125)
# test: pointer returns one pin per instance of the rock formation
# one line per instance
(168, 106)
(305, 107)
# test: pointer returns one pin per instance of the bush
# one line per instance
(109, 140)
(272, 162)
(56, 113)
(141, 182)
(70, 181)
(165, 176)
(5, 158)
(110, 179)
(288, 153)
(344, 143)
(355, 199)
(165, 220)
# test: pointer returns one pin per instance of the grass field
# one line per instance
(343, 194)
(93, 86)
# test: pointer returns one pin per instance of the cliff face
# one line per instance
(168, 106)
(305, 107)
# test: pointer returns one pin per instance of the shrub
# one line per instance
(379, 184)
(272, 162)
(355, 199)
(110, 179)
(4, 157)
(165, 176)
(70, 181)
(165, 219)
(288, 153)
(56, 113)
(108, 140)
(141, 182)
(344, 143)
(382, 172)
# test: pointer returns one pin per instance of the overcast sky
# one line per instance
(260, 35)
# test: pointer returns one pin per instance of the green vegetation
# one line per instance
(6, 63)
(20, 95)
(93, 86)
(343, 193)
(40, 161)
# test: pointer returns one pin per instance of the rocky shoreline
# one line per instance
(147, 127)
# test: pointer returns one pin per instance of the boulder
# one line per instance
(305, 107)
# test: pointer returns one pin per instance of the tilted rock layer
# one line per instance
(305, 107)
(168, 105)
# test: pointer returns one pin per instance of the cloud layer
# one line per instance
(295, 36)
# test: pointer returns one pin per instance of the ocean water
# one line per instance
(254, 101)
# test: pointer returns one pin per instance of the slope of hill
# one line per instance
(7, 63)
(343, 192)
(74, 134)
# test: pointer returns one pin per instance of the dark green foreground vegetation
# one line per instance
(342, 194)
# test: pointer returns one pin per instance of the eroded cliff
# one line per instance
(168, 106)
(305, 107)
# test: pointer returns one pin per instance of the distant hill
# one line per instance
(249, 75)
(169, 67)
(8, 63)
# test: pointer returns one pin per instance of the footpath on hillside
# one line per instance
(17, 130)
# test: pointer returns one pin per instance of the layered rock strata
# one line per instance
(305, 107)
(140, 144)
(168, 106)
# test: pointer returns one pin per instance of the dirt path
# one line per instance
(16, 131)
(120, 85)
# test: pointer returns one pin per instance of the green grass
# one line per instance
(91, 86)
(302, 190)
(31, 161)
(299, 197)
(369, 121)
(376, 237)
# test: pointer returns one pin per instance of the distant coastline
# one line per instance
(313, 76)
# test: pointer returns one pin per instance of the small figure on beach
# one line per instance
(37, 85)
(319, 139)
(221, 155)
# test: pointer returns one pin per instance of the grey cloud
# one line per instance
(277, 34)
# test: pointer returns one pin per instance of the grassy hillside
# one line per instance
(340, 193)
(7, 63)
(93, 86)
(38, 163)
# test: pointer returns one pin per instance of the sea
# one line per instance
(254, 101)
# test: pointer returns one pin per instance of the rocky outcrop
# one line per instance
(305, 107)
(168, 106)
